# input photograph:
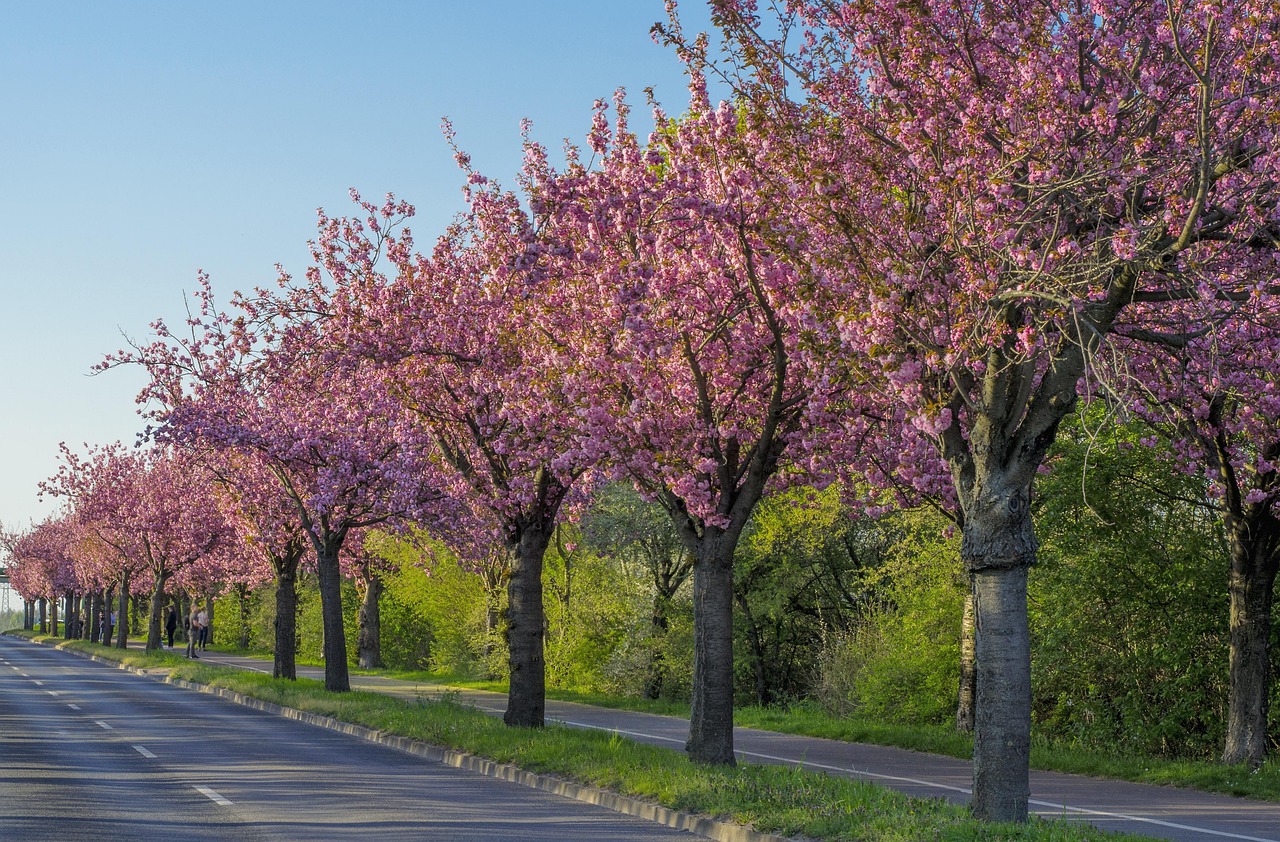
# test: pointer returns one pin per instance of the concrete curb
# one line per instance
(693, 823)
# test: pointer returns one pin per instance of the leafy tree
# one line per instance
(1217, 398)
(640, 537)
(1002, 186)
(1128, 612)
(697, 346)
(799, 577)
(898, 660)
(261, 384)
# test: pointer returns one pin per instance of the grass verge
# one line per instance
(789, 802)
(811, 721)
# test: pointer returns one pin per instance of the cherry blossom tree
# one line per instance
(272, 382)
(269, 541)
(102, 488)
(156, 506)
(448, 332)
(697, 345)
(42, 566)
(1217, 398)
(1001, 186)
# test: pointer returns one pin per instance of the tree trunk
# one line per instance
(755, 642)
(155, 617)
(208, 610)
(82, 615)
(656, 671)
(53, 616)
(526, 621)
(968, 666)
(242, 591)
(1255, 553)
(369, 625)
(1002, 722)
(95, 621)
(286, 625)
(711, 713)
(336, 675)
(122, 617)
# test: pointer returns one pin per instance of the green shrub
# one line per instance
(900, 662)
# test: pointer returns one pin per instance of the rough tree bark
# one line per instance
(1254, 545)
(526, 622)
(998, 547)
(122, 614)
(337, 677)
(155, 619)
(284, 662)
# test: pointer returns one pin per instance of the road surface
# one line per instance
(90, 752)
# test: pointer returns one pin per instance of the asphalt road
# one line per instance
(90, 752)
(1159, 812)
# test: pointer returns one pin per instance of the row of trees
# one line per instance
(903, 251)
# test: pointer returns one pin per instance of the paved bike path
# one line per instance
(1161, 812)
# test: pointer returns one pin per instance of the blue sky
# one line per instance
(143, 141)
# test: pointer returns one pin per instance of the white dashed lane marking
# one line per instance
(143, 751)
(213, 796)
(103, 724)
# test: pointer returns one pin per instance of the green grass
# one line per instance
(811, 721)
(789, 802)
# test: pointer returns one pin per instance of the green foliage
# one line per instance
(591, 606)
(1129, 603)
(433, 610)
(654, 659)
(900, 663)
(800, 572)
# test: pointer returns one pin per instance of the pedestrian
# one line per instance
(171, 624)
(102, 628)
(193, 630)
(203, 617)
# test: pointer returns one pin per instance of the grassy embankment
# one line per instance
(788, 802)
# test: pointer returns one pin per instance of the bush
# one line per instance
(901, 662)
(1129, 603)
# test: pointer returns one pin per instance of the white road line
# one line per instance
(24, 675)
(39, 683)
(103, 724)
(143, 751)
(213, 796)
(1057, 808)
(52, 692)
(73, 707)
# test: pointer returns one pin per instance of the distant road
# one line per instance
(90, 752)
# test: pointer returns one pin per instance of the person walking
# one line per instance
(171, 624)
(203, 619)
(193, 630)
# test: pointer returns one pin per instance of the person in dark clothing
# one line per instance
(171, 624)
